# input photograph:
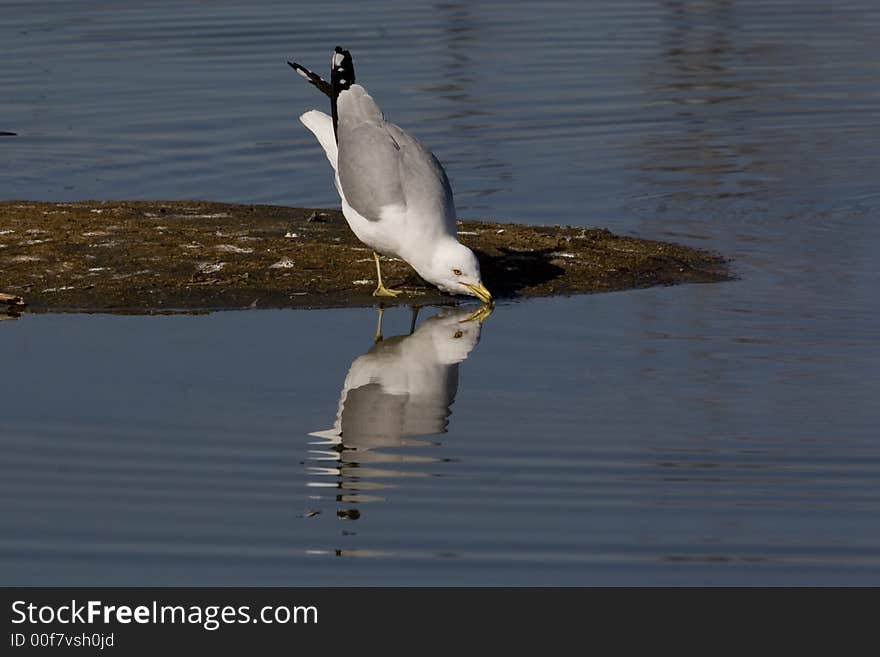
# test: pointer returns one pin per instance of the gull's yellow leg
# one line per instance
(381, 290)
(378, 337)
(415, 316)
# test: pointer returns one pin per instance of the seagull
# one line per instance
(395, 194)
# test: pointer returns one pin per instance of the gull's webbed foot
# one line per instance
(382, 291)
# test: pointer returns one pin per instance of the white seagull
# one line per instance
(395, 195)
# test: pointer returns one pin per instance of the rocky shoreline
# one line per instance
(189, 256)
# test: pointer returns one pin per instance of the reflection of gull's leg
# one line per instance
(381, 290)
(378, 337)
(415, 315)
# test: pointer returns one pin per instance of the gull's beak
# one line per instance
(480, 292)
(480, 315)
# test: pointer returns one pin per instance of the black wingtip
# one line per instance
(341, 78)
(346, 59)
(313, 78)
(341, 69)
(298, 67)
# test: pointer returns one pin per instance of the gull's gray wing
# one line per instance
(380, 165)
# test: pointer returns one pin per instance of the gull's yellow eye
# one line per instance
(458, 334)
(457, 272)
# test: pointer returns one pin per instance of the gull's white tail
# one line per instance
(321, 126)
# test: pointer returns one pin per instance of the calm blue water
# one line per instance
(704, 434)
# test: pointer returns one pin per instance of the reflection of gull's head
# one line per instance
(449, 336)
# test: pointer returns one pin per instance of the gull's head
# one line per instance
(454, 269)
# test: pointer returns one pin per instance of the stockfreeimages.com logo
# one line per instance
(210, 617)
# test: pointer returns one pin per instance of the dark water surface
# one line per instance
(699, 434)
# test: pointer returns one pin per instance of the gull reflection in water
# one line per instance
(401, 388)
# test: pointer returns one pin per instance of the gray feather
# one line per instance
(381, 165)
